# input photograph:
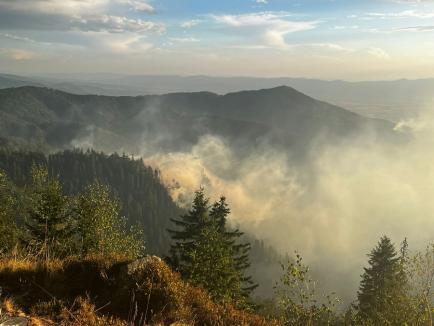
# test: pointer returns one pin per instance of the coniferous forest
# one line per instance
(109, 211)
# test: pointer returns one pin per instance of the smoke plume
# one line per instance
(354, 193)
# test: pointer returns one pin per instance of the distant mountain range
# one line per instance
(50, 119)
(391, 100)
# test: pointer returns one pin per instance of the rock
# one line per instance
(141, 264)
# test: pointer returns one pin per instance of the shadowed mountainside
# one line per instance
(390, 99)
(48, 119)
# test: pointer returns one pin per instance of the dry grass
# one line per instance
(111, 291)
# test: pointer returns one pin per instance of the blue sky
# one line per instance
(354, 40)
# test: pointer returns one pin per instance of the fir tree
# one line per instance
(208, 254)
(8, 228)
(382, 287)
(189, 227)
(49, 220)
(238, 282)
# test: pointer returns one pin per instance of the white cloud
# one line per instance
(84, 15)
(184, 39)
(128, 43)
(73, 7)
(378, 52)
(254, 19)
(67, 7)
(17, 38)
(114, 24)
(17, 54)
(412, 1)
(190, 23)
(333, 47)
(416, 29)
(272, 26)
(262, 1)
(139, 5)
(403, 14)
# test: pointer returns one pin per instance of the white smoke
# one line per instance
(357, 192)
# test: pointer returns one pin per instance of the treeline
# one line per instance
(143, 199)
(47, 214)
(39, 221)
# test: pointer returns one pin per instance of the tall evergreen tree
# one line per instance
(382, 286)
(208, 254)
(8, 228)
(238, 282)
(49, 218)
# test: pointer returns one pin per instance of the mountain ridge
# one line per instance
(282, 115)
(388, 99)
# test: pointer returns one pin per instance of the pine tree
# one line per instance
(49, 220)
(382, 285)
(208, 254)
(8, 228)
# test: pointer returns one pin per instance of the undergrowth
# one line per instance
(111, 291)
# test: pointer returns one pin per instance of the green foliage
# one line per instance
(298, 299)
(383, 297)
(208, 254)
(101, 229)
(49, 216)
(420, 271)
(58, 225)
(8, 228)
(145, 200)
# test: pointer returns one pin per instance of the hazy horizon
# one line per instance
(105, 74)
(349, 40)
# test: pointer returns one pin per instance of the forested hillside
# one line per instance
(47, 119)
(144, 199)
(390, 99)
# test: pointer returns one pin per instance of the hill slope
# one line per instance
(49, 119)
(392, 100)
(145, 291)
(144, 199)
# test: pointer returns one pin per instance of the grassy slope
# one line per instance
(126, 293)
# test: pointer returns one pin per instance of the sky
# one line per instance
(327, 39)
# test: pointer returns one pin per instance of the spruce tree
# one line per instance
(187, 233)
(49, 219)
(208, 254)
(238, 283)
(381, 290)
(8, 228)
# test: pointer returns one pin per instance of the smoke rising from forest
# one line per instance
(332, 205)
(333, 211)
